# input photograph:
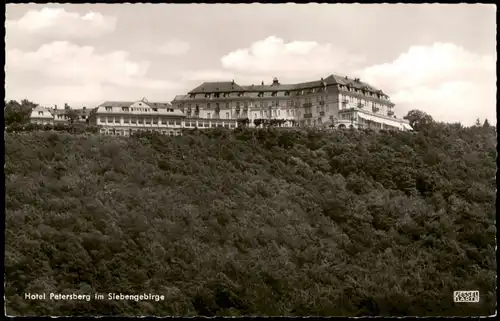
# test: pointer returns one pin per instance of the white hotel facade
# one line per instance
(333, 102)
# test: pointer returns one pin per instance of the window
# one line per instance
(261, 94)
(177, 123)
(155, 121)
(148, 121)
(140, 121)
(274, 94)
(274, 112)
(117, 120)
(133, 121)
(278, 112)
(124, 108)
(255, 115)
(126, 120)
(109, 120)
(163, 121)
(287, 93)
(109, 108)
(245, 104)
(40, 113)
(288, 112)
(208, 105)
(261, 113)
(227, 115)
(238, 105)
(227, 106)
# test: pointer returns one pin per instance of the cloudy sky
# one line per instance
(437, 58)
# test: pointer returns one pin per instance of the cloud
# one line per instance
(207, 75)
(57, 23)
(443, 80)
(174, 47)
(274, 56)
(62, 63)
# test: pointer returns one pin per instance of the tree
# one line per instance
(72, 115)
(418, 119)
(19, 113)
(486, 123)
(478, 122)
(66, 106)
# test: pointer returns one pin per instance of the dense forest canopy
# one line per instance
(253, 222)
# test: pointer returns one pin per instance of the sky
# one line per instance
(437, 58)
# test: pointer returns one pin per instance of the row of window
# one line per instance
(261, 104)
(345, 99)
(127, 109)
(194, 124)
(118, 132)
(364, 92)
(349, 88)
(140, 121)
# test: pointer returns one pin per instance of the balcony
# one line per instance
(308, 115)
(322, 113)
(305, 105)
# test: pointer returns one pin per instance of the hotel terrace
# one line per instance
(332, 102)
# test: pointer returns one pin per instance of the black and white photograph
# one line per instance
(250, 159)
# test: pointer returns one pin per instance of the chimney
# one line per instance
(262, 82)
(275, 81)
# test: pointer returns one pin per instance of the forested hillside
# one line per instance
(253, 222)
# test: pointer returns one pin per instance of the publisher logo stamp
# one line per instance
(466, 296)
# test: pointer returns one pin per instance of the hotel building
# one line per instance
(52, 116)
(334, 102)
(125, 118)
